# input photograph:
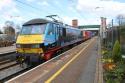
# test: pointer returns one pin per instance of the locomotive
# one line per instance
(40, 39)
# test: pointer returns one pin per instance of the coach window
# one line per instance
(50, 29)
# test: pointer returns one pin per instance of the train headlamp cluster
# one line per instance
(18, 46)
(28, 46)
(35, 46)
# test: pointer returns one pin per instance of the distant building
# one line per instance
(75, 23)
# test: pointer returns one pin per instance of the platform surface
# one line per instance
(77, 65)
(7, 49)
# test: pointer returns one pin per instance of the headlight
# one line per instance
(35, 46)
(18, 46)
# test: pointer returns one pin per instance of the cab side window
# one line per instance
(51, 29)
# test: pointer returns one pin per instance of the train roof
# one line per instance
(43, 21)
(36, 21)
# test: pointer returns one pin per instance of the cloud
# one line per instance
(43, 3)
(8, 8)
(87, 21)
(9, 12)
(1, 27)
(70, 8)
(108, 8)
(4, 3)
(67, 20)
(90, 11)
(30, 0)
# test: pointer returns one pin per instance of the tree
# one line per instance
(116, 54)
(1, 32)
(9, 23)
(9, 30)
(18, 28)
(121, 19)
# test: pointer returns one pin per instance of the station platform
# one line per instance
(80, 64)
(4, 50)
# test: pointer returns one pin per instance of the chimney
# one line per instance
(75, 23)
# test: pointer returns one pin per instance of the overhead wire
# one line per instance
(29, 5)
(38, 9)
(24, 9)
(59, 10)
(55, 7)
(62, 10)
(75, 10)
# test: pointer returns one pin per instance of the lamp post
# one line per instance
(102, 27)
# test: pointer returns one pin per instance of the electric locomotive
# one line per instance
(40, 39)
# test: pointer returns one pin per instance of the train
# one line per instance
(40, 39)
(87, 35)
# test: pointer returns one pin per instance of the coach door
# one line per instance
(58, 35)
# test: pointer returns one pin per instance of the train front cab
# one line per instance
(29, 43)
(38, 42)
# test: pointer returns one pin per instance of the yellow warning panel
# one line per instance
(29, 50)
(29, 39)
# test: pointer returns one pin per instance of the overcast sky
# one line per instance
(86, 11)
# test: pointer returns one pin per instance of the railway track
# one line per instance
(5, 61)
(11, 69)
(6, 53)
(7, 64)
(7, 56)
(12, 65)
(22, 70)
(14, 74)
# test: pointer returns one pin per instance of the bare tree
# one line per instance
(18, 28)
(1, 32)
(9, 28)
(9, 23)
(121, 19)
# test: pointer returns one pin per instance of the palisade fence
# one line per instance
(115, 33)
(122, 39)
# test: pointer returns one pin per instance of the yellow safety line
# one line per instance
(66, 65)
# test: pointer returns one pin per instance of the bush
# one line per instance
(116, 52)
(116, 75)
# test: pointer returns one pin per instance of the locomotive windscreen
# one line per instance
(33, 29)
